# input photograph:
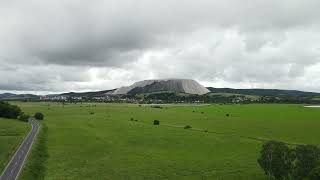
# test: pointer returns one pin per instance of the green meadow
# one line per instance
(100, 141)
(12, 133)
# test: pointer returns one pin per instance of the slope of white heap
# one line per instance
(193, 87)
(127, 89)
(178, 85)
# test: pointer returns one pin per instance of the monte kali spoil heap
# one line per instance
(163, 85)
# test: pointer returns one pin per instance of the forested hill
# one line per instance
(264, 92)
(85, 94)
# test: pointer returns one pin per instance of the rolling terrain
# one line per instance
(119, 141)
(264, 92)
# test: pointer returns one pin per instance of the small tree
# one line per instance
(307, 158)
(156, 122)
(38, 116)
(276, 159)
(314, 174)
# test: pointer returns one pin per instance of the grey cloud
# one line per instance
(77, 45)
(44, 78)
(231, 61)
(95, 33)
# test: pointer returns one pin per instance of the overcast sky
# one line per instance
(73, 45)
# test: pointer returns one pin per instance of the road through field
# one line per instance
(15, 165)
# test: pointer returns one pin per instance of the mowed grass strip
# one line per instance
(99, 141)
(12, 132)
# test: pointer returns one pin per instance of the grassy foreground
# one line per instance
(99, 141)
(12, 132)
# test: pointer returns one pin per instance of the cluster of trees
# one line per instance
(9, 111)
(281, 162)
(14, 112)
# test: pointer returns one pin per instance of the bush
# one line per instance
(39, 116)
(156, 122)
(131, 119)
(227, 115)
(156, 106)
(24, 117)
(91, 112)
(315, 174)
(202, 112)
(187, 127)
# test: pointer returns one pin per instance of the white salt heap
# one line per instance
(173, 85)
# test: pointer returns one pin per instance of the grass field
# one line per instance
(99, 141)
(12, 133)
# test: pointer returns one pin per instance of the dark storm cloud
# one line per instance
(103, 43)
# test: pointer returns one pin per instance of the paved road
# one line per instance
(15, 165)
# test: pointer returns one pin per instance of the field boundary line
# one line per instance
(232, 135)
